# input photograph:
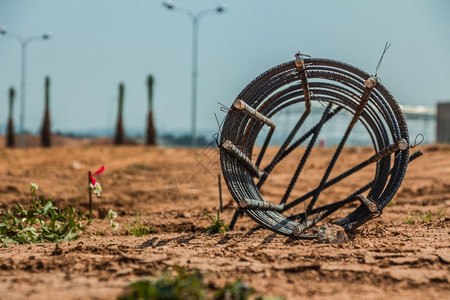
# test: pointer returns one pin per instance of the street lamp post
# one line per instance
(195, 19)
(23, 42)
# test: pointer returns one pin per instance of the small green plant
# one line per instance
(217, 225)
(43, 222)
(182, 285)
(424, 216)
(237, 290)
(138, 228)
(409, 220)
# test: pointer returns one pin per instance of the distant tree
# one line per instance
(45, 130)
(10, 143)
(120, 133)
(151, 131)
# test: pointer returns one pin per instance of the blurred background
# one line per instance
(95, 45)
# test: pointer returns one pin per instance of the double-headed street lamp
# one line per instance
(195, 19)
(23, 42)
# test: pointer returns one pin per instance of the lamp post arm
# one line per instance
(30, 39)
(15, 36)
(205, 12)
(185, 11)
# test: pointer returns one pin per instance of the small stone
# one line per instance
(76, 165)
(124, 272)
(334, 234)
(444, 255)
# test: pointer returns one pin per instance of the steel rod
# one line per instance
(263, 205)
(368, 203)
(300, 65)
(241, 105)
(305, 225)
(220, 193)
(233, 150)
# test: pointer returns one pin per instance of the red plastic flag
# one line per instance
(99, 171)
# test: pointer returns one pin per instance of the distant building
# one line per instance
(443, 123)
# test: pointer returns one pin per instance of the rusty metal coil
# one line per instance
(342, 87)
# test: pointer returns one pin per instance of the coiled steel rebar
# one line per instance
(305, 80)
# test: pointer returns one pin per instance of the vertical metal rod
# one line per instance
(90, 195)
(234, 219)
(300, 65)
(194, 80)
(22, 98)
(220, 193)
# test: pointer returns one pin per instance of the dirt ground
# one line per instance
(171, 189)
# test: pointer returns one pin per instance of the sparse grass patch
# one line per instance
(217, 225)
(409, 220)
(138, 228)
(425, 216)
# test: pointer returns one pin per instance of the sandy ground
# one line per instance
(172, 188)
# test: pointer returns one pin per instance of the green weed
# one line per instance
(237, 290)
(409, 220)
(425, 217)
(441, 214)
(183, 285)
(43, 222)
(217, 225)
(138, 228)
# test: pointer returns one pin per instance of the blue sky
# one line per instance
(97, 44)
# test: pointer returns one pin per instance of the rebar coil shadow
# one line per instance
(339, 87)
